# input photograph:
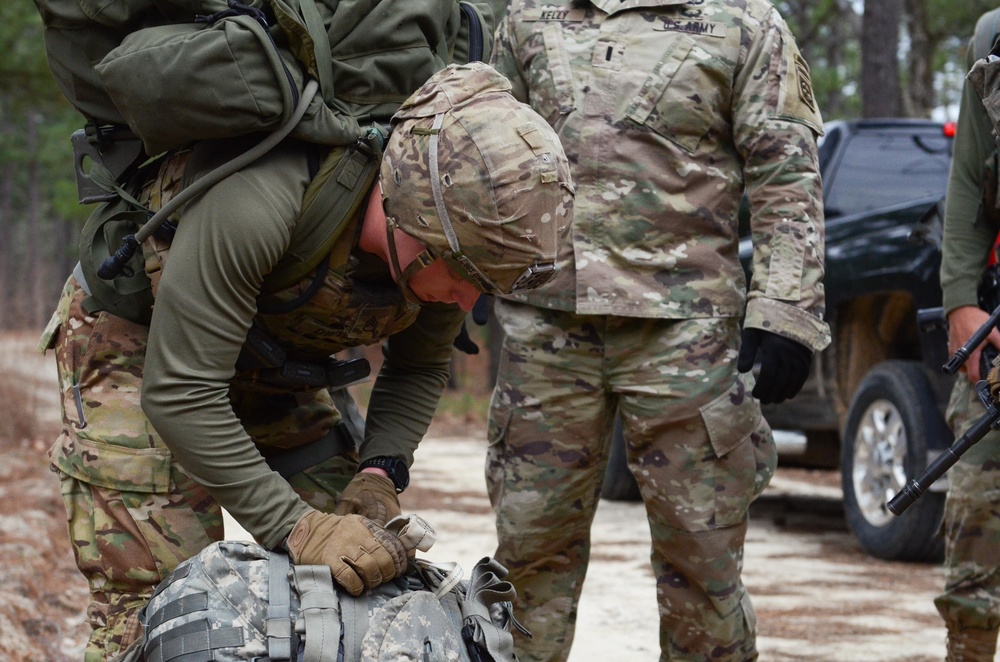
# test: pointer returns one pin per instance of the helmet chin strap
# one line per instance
(403, 276)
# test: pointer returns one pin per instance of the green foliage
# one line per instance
(946, 18)
(29, 95)
(25, 80)
(827, 33)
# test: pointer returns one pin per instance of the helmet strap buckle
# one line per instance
(423, 260)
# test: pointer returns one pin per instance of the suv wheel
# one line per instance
(892, 417)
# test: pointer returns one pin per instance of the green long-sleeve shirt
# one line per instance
(967, 238)
(227, 241)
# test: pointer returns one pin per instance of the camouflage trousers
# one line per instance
(971, 597)
(133, 512)
(696, 443)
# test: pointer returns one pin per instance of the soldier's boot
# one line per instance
(971, 645)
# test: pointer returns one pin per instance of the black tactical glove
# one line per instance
(784, 364)
(464, 343)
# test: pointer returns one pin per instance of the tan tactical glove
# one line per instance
(360, 553)
(372, 496)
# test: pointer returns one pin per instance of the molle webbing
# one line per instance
(281, 639)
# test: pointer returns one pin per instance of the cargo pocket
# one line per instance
(731, 421)
(145, 470)
(497, 429)
(679, 98)
(107, 441)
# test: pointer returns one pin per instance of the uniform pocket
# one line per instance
(551, 86)
(145, 470)
(679, 99)
(731, 421)
(497, 428)
(107, 440)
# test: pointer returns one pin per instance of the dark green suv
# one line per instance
(873, 404)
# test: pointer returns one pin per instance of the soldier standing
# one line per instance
(970, 603)
(668, 111)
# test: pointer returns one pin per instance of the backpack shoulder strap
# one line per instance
(333, 198)
(473, 21)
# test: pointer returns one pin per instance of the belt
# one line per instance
(290, 461)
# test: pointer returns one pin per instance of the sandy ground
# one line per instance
(817, 595)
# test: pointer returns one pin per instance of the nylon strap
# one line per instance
(320, 609)
(179, 607)
(413, 531)
(190, 638)
(423, 260)
(442, 210)
(290, 461)
(334, 197)
(321, 47)
(487, 589)
(440, 578)
(279, 608)
(354, 621)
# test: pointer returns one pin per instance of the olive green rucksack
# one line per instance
(155, 75)
(176, 71)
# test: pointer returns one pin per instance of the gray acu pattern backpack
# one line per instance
(238, 601)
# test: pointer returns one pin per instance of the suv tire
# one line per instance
(892, 417)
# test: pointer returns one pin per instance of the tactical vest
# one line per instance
(312, 300)
(331, 202)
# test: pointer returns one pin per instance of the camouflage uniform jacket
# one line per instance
(668, 110)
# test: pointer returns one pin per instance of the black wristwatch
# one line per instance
(398, 472)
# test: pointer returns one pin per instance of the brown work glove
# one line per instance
(360, 553)
(370, 495)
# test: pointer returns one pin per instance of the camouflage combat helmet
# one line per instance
(479, 179)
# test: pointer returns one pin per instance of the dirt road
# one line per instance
(817, 596)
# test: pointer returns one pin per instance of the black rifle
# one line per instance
(916, 488)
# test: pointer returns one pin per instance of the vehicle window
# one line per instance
(882, 169)
(827, 144)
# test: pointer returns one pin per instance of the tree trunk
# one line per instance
(918, 94)
(880, 89)
(34, 311)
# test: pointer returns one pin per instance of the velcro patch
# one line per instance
(691, 26)
(805, 83)
(554, 14)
